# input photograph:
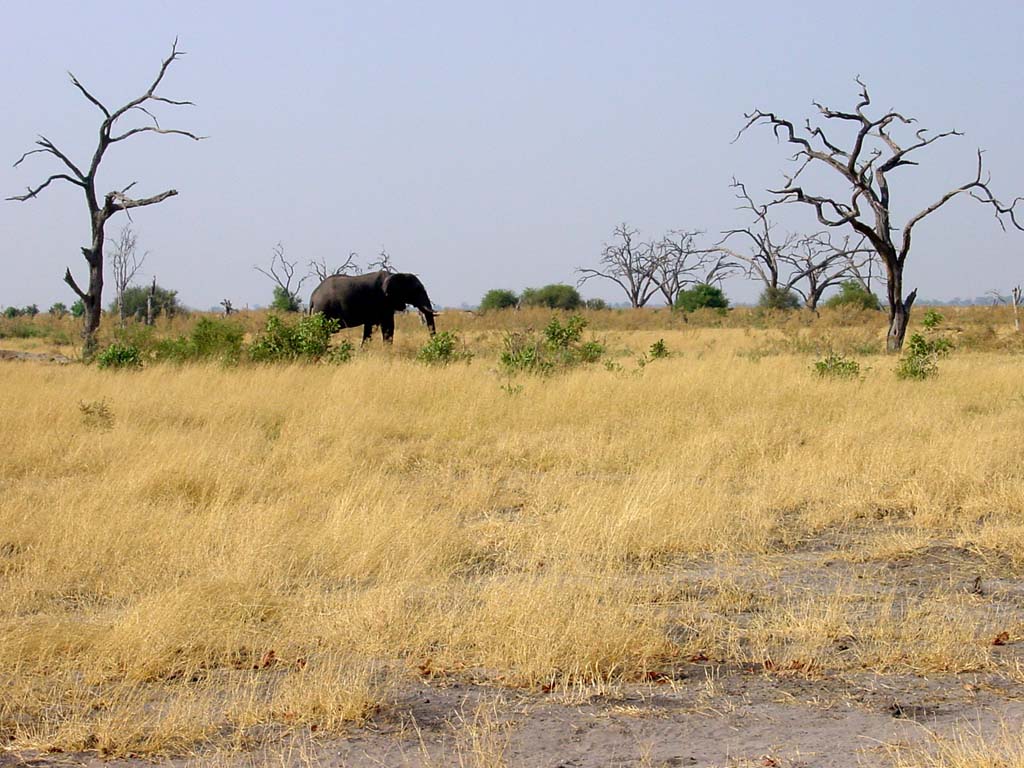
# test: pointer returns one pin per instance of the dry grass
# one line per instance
(233, 549)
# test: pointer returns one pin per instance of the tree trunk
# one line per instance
(149, 302)
(93, 298)
(899, 317)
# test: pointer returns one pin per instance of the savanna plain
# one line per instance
(713, 557)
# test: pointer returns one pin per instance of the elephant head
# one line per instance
(402, 290)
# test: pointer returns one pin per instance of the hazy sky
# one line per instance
(486, 144)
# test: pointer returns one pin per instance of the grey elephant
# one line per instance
(370, 300)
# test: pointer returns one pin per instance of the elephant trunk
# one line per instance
(428, 318)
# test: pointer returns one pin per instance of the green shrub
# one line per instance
(442, 349)
(341, 353)
(853, 294)
(58, 309)
(836, 366)
(78, 308)
(12, 312)
(932, 319)
(658, 350)
(919, 359)
(701, 296)
(21, 329)
(119, 355)
(284, 301)
(778, 298)
(308, 339)
(597, 304)
(136, 297)
(498, 298)
(210, 339)
(558, 346)
(554, 296)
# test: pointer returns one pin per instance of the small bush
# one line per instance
(442, 349)
(119, 355)
(658, 350)
(558, 346)
(596, 304)
(836, 366)
(919, 361)
(78, 308)
(210, 339)
(554, 296)
(853, 294)
(58, 309)
(96, 414)
(341, 353)
(498, 298)
(701, 296)
(308, 339)
(932, 319)
(284, 301)
(778, 298)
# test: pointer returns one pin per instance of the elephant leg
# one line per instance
(367, 332)
(387, 330)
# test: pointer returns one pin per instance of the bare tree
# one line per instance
(282, 273)
(382, 263)
(1015, 301)
(629, 264)
(125, 262)
(819, 263)
(677, 262)
(102, 208)
(321, 272)
(228, 307)
(865, 165)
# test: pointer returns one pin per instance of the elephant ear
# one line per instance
(400, 289)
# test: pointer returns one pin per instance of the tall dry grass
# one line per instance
(191, 554)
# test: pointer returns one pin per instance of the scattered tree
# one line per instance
(865, 165)
(628, 263)
(58, 309)
(852, 293)
(791, 263)
(125, 262)
(103, 207)
(778, 297)
(228, 307)
(321, 271)
(554, 296)
(677, 262)
(498, 298)
(142, 302)
(382, 263)
(701, 296)
(282, 273)
(31, 310)
(596, 304)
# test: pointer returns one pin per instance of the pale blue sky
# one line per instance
(486, 144)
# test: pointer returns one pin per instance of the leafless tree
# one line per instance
(382, 263)
(282, 273)
(1014, 300)
(228, 307)
(125, 262)
(677, 262)
(865, 165)
(321, 271)
(103, 207)
(628, 263)
(819, 263)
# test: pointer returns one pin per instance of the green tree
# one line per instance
(498, 298)
(595, 304)
(285, 301)
(701, 296)
(778, 298)
(58, 309)
(553, 296)
(78, 308)
(853, 294)
(135, 296)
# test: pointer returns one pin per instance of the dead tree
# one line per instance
(282, 274)
(321, 272)
(819, 263)
(678, 262)
(228, 307)
(125, 262)
(103, 207)
(382, 263)
(1015, 298)
(865, 165)
(628, 263)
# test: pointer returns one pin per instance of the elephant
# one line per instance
(370, 300)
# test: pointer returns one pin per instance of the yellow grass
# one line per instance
(222, 549)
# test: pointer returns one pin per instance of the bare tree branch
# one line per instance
(320, 270)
